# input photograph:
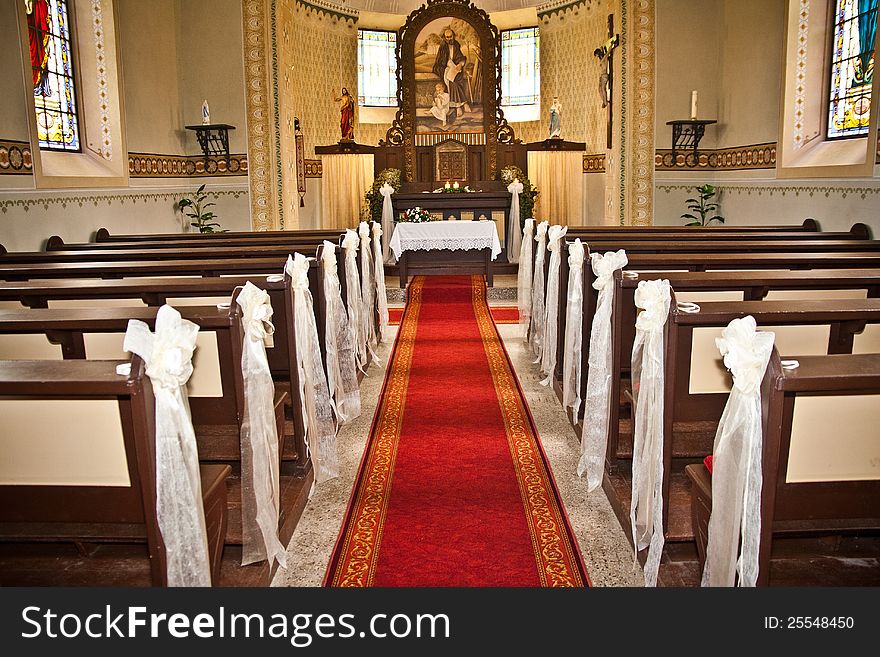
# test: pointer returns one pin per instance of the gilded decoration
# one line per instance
(641, 121)
(447, 37)
(152, 165)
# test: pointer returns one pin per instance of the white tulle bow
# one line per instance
(648, 380)
(317, 410)
(555, 237)
(259, 434)
(537, 332)
(594, 436)
(386, 191)
(368, 291)
(514, 236)
(735, 520)
(381, 293)
(524, 276)
(179, 508)
(571, 361)
(350, 244)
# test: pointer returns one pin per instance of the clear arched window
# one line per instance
(52, 65)
(851, 68)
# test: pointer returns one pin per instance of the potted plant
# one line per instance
(703, 207)
(374, 198)
(197, 209)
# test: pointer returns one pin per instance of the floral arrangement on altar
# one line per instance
(454, 188)
(414, 216)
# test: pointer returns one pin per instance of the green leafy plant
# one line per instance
(702, 207)
(374, 198)
(196, 208)
(527, 196)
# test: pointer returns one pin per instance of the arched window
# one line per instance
(52, 65)
(521, 74)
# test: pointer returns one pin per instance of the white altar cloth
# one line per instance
(452, 235)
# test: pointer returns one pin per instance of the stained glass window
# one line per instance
(521, 73)
(53, 75)
(377, 69)
(852, 68)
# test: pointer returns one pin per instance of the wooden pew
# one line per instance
(723, 233)
(199, 240)
(693, 403)
(103, 235)
(820, 476)
(216, 402)
(78, 478)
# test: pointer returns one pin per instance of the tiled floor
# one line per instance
(605, 548)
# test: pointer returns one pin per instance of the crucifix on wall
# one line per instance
(605, 54)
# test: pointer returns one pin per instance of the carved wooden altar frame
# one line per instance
(495, 126)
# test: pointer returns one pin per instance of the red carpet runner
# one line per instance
(453, 488)
(500, 315)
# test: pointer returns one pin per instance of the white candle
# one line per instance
(693, 104)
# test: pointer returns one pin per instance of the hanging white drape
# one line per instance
(537, 334)
(514, 236)
(345, 179)
(594, 435)
(350, 244)
(560, 177)
(260, 476)
(735, 521)
(386, 191)
(574, 310)
(524, 276)
(179, 508)
(341, 368)
(646, 507)
(379, 277)
(315, 396)
(368, 289)
(555, 238)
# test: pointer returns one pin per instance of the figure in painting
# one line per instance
(449, 66)
(440, 108)
(556, 119)
(346, 118)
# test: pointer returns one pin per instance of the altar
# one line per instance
(445, 247)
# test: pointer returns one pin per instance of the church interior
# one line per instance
(461, 293)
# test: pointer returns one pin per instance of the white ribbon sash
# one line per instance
(646, 508)
(538, 290)
(571, 360)
(386, 191)
(556, 234)
(179, 507)
(350, 244)
(524, 276)
(341, 369)
(594, 436)
(381, 294)
(368, 290)
(315, 396)
(260, 483)
(514, 236)
(735, 521)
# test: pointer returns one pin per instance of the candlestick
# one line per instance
(455, 185)
(446, 186)
(693, 105)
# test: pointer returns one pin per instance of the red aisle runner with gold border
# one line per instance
(454, 487)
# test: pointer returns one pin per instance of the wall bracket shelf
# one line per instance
(686, 135)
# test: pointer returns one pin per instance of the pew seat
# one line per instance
(86, 515)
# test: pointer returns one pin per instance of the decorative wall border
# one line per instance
(782, 190)
(81, 200)
(641, 211)
(101, 66)
(594, 163)
(557, 6)
(263, 200)
(753, 156)
(154, 165)
(16, 158)
(800, 90)
(330, 9)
